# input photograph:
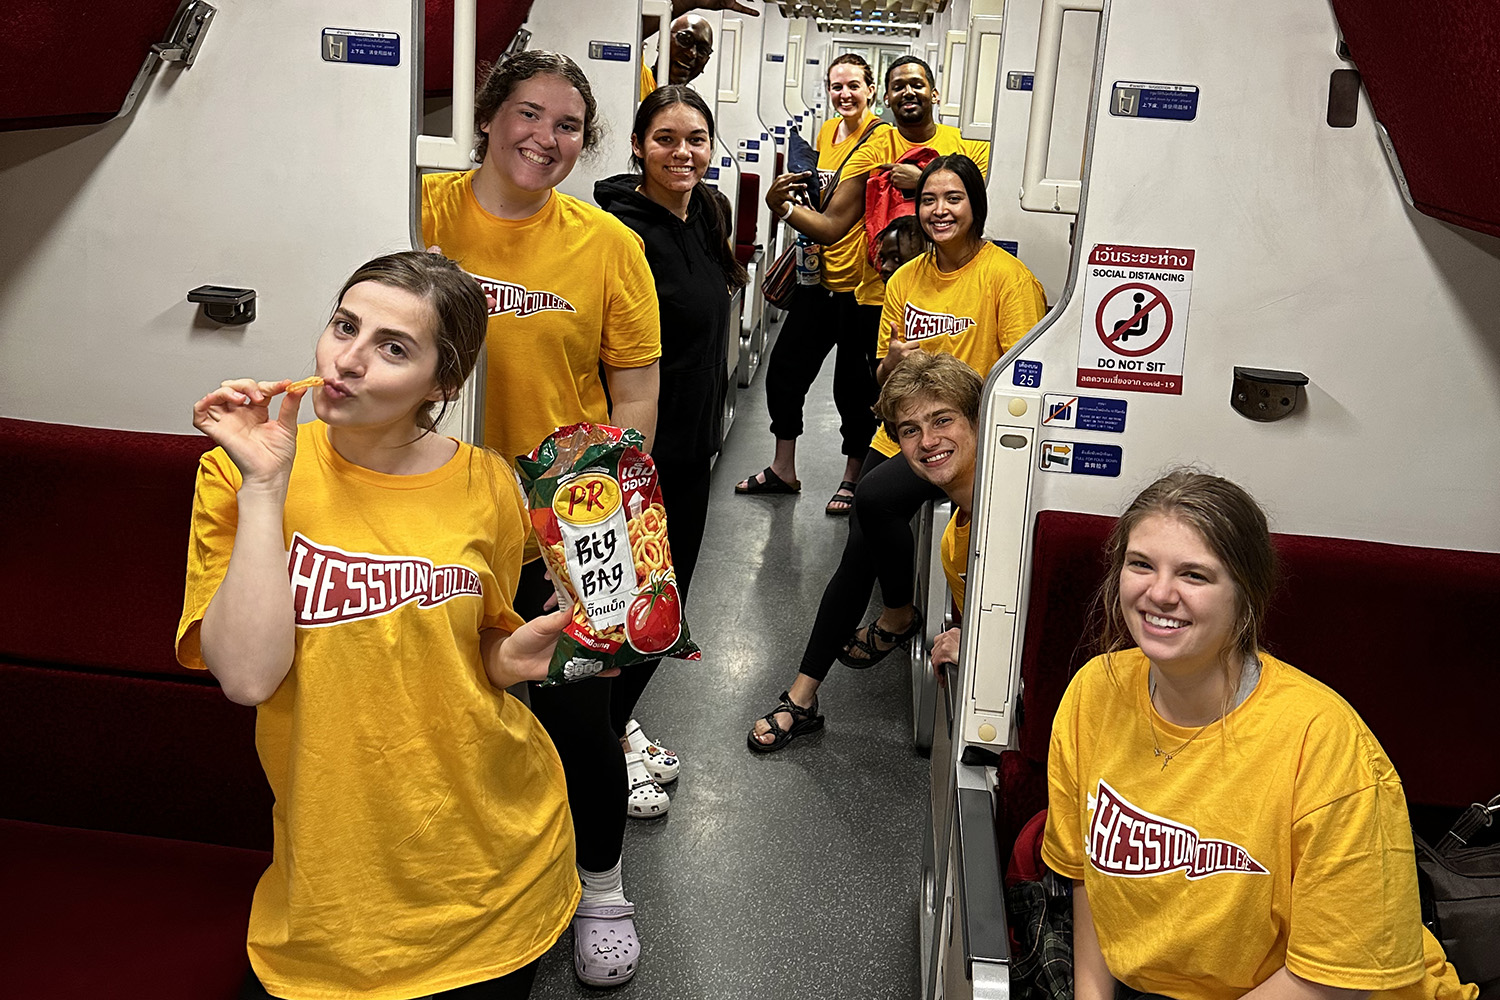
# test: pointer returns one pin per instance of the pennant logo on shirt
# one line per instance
(331, 586)
(520, 300)
(921, 324)
(1127, 841)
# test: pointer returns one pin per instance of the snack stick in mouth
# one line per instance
(310, 382)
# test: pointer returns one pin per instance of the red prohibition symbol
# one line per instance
(1139, 322)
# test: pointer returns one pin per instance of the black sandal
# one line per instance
(804, 720)
(769, 484)
(864, 643)
(844, 497)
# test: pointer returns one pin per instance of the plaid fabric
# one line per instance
(1042, 925)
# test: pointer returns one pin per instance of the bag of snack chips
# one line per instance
(596, 508)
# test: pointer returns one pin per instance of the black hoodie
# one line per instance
(694, 300)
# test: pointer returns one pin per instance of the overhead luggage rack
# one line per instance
(67, 65)
(1432, 70)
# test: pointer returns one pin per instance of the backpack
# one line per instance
(885, 202)
(1459, 885)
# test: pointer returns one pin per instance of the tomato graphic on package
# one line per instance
(654, 620)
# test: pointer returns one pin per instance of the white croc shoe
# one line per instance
(661, 762)
(647, 798)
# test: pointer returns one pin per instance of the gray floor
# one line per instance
(794, 873)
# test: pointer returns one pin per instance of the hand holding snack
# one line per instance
(596, 508)
(237, 416)
(525, 654)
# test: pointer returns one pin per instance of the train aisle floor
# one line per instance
(794, 873)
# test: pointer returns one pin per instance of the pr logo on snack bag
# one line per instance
(586, 499)
(596, 546)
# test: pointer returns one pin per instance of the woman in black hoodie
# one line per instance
(687, 246)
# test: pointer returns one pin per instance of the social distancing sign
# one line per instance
(1135, 311)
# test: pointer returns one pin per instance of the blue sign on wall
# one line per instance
(1086, 413)
(348, 45)
(610, 51)
(1027, 374)
(1081, 458)
(1154, 100)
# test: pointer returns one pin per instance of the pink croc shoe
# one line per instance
(606, 951)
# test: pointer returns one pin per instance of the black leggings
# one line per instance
(515, 986)
(684, 494)
(576, 716)
(586, 718)
(880, 546)
(818, 321)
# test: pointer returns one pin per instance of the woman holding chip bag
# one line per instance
(573, 298)
(665, 201)
(377, 649)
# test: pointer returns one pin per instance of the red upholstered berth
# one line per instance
(134, 815)
(1432, 70)
(1401, 632)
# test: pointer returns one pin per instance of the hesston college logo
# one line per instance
(921, 324)
(1129, 842)
(331, 586)
(517, 299)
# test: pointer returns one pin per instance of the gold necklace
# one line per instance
(1156, 742)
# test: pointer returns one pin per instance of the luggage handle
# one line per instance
(1475, 818)
(1040, 193)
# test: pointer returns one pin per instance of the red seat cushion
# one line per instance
(88, 914)
(748, 207)
(93, 576)
(143, 755)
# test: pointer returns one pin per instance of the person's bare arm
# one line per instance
(651, 24)
(896, 350)
(1092, 979)
(1287, 985)
(248, 633)
(634, 392)
(525, 654)
(845, 208)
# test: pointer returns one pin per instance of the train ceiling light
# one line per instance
(879, 16)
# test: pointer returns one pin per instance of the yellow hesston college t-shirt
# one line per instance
(887, 146)
(843, 262)
(572, 288)
(422, 834)
(955, 556)
(976, 313)
(1280, 838)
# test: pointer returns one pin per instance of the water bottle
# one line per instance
(809, 261)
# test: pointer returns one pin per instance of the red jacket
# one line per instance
(884, 202)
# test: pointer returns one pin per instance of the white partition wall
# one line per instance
(615, 80)
(225, 173)
(800, 38)
(817, 52)
(1040, 239)
(743, 121)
